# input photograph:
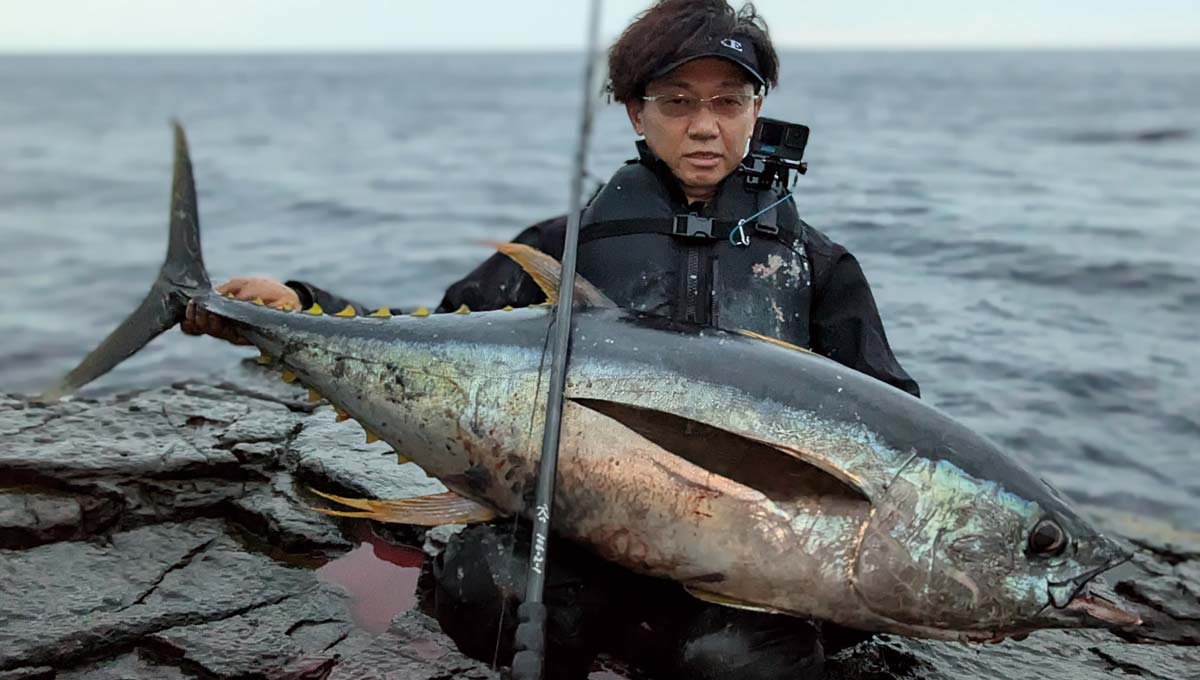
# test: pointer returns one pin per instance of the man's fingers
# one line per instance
(188, 325)
(200, 320)
(250, 288)
(235, 285)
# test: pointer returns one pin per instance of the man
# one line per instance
(692, 75)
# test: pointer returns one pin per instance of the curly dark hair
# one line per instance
(670, 27)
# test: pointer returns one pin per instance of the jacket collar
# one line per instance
(670, 182)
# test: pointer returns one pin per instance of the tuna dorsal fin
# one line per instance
(428, 511)
(726, 601)
(547, 272)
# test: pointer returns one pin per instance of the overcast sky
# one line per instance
(405, 25)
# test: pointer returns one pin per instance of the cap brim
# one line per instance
(754, 74)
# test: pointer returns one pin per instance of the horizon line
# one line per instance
(383, 51)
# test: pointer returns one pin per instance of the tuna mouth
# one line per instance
(1084, 597)
(1102, 608)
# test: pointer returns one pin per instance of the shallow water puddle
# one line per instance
(381, 578)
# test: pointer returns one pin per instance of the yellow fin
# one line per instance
(315, 310)
(263, 359)
(547, 272)
(507, 308)
(340, 415)
(371, 436)
(346, 311)
(287, 376)
(463, 309)
(259, 301)
(726, 601)
(381, 313)
(419, 311)
(774, 341)
(401, 459)
(314, 395)
(429, 511)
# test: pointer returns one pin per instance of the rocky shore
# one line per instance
(166, 533)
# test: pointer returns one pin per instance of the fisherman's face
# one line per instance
(703, 147)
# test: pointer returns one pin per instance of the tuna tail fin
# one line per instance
(181, 277)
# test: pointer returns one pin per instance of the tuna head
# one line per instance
(948, 555)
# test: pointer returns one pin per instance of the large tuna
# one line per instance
(756, 474)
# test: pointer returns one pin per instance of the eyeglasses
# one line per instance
(723, 105)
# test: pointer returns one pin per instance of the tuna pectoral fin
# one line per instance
(780, 473)
(428, 511)
(182, 276)
(724, 601)
(547, 272)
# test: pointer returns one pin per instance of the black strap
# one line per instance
(683, 226)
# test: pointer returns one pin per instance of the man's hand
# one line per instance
(271, 292)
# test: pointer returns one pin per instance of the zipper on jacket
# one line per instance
(691, 308)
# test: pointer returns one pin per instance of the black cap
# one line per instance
(738, 48)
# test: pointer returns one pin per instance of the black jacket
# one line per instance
(844, 321)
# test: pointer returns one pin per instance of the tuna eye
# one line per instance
(1047, 539)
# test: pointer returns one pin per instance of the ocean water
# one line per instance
(1030, 221)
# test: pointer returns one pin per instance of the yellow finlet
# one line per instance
(419, 311)
(774, 341)
(507, 308)
(258, 301)
(371, 436)
(401, 459)
(463, 309)
(340, 415)
(347, 311)
(442, 508)
(231, 296)
(314, 396)
(315, 310)
(264, 359)
(287, 376)
(381, 313)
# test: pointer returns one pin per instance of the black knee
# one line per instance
(474, 596)
(725, 643)
(479, 581)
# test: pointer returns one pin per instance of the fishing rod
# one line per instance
(530, 639)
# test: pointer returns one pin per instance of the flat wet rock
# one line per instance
(167, 534)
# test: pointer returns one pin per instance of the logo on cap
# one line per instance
(732, 44)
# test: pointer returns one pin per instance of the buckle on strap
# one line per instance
(693, 226)
(766, 228)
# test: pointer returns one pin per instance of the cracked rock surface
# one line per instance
(166, 534)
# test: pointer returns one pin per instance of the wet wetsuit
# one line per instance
(843, 322)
